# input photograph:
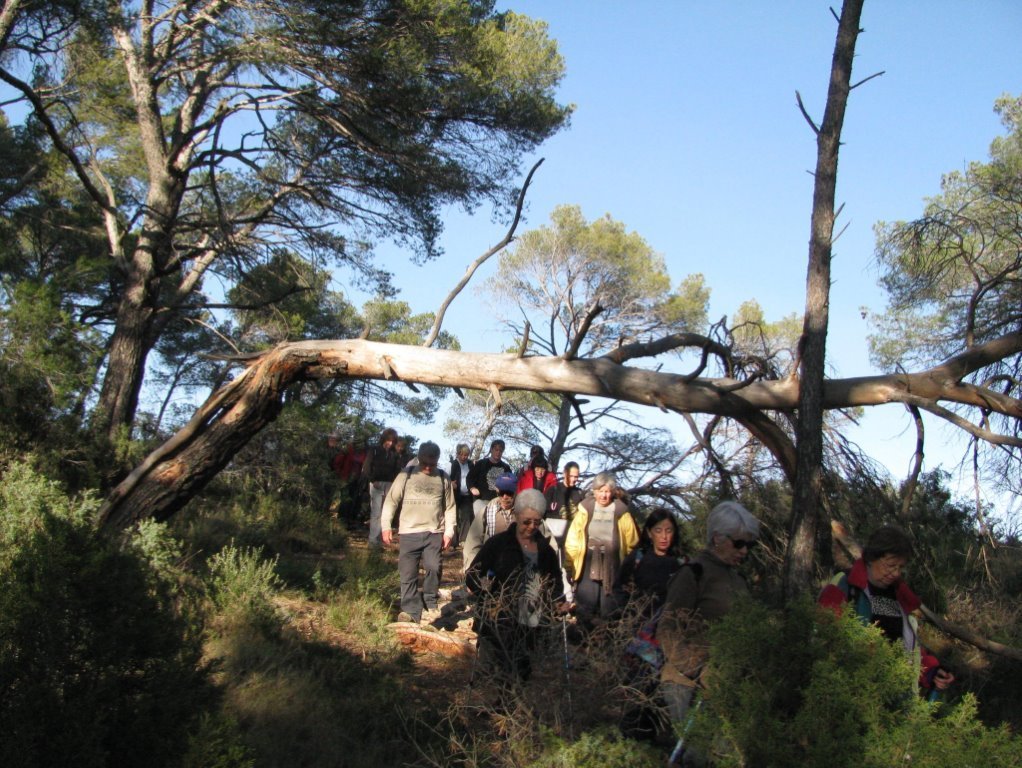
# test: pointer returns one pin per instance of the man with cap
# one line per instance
(424, 495)
(495, 517)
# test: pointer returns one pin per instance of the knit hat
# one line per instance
(506, 483)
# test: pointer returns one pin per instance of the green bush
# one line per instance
(604, 748)
(97, 667)
(242, 586)
(802, 687)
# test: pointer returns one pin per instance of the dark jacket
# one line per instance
(695, 597)
(482, 471)
(455, 475)
(646, 574)
(562, 501)
(381, 465)
(502, 561)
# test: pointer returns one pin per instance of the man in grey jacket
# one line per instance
(425, 496)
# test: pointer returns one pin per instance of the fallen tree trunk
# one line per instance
(174, 472)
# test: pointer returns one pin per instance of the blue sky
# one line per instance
(686, 130)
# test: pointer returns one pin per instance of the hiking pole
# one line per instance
(679, 749)
(567, 659)
(567, 677)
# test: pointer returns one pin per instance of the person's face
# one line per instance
(507, 499)
(733, 550)
(388, 443)
(539, 472)
(886, 570)
(662, 536)
(571, 477)
(603, 495)
(496, 451)
(462, 457)
(427, 466)
(528, 521)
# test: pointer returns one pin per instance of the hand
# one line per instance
(943, 679)
(474, 491)
(447, 541)
(388, 537)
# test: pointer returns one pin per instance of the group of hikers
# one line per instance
(537, 549)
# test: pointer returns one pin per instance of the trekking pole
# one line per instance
(678, 753)
(567, 678)
(567, 658)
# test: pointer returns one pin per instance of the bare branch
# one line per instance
(802, 109)
(594, 311)
(867, 79)
(434, 332)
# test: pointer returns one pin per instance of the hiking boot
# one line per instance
(405, 616)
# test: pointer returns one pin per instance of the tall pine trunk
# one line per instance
(806, 513)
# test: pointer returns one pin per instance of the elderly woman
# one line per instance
(878, 595)
(601, 536)
(517, 578)
(703, 591)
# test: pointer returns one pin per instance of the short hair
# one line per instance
(429, 450)
(497, 442)
(731, 519)
(605, 478)
(887, 540)
(461, 447)
(571, 465)
(530, 499)
(540, 462)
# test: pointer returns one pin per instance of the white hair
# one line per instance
(530, 499)
(729, 518)
(605, 478)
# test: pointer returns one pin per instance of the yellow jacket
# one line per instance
(577, 539)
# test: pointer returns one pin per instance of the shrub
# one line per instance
(96, 665)
(802, 687)
(602, 748)
(242, 585)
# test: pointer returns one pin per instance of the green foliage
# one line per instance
(361, 604)
(95, 661)
(555, 274)
(602, 748)
(954, 275)
(217, 743)
(802, 687)
(242, 585)
(45, 363)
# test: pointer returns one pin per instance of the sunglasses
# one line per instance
(530, 522)
(507, 493)
(742, 543)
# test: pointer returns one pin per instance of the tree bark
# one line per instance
(806, 513)
(178, 469)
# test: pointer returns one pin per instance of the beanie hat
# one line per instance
(506, 483)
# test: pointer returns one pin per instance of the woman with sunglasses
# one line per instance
(517, 580)
(702, 591)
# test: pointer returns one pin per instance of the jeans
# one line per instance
(472, 540)
(419, 548)
(377, 493)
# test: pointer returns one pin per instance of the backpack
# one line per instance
(645, 645)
